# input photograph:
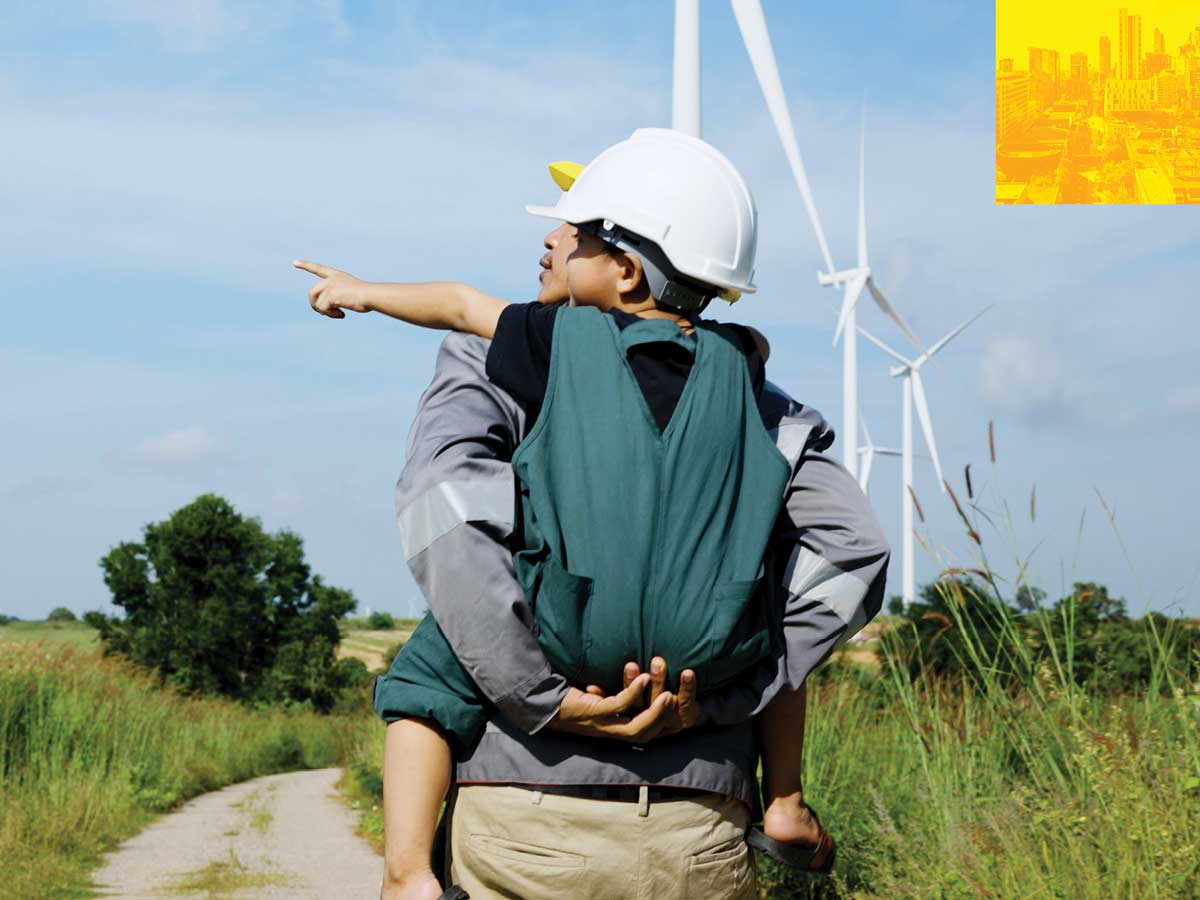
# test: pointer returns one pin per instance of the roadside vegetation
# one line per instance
(225, 666)
(92, 748)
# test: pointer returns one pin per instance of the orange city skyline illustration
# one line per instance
(1097, 103)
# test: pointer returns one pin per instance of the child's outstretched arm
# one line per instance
(448, 305)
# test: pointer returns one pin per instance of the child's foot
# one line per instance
(792, 835)
(791, 822)
(419, 886)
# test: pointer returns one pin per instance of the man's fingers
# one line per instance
(595, 690)
(629, 698)
(650, 721)
(658, 677)
(632, 671)
(315, 268)
(687, 687)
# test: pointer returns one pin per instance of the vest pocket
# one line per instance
(740, 637)
(561, 608)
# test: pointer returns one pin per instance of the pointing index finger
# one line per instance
(315, 268)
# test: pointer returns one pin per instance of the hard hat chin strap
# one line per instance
(667, 286)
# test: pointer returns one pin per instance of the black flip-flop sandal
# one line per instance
(796, 856)
(454, 892)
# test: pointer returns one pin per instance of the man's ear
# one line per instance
(630, 275)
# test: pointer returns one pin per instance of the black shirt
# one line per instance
(519, 359)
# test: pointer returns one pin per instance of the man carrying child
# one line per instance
(644, 462)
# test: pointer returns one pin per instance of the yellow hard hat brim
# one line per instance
(564, 173)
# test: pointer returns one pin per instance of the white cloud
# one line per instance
(1028, 377)
(180, 448)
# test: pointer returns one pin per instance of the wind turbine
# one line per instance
(909, 371)
(868, 452)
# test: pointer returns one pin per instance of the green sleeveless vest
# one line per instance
(639, 543)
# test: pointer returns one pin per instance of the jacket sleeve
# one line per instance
(828, 561)
(454, 506)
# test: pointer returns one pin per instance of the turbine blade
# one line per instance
(882, 346)
(864, 477)
(867, 434)
(862, 190)
(753, 27)
(926, 424)
(891, 312)
(853, 291)
(924, 357)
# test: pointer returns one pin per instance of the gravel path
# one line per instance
(281, 836)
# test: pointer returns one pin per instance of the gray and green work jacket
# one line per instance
(825, 571)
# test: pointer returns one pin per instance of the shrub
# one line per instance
(61, 614)
(381, 620)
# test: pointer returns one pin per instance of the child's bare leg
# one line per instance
(416, 775)
(781, 735)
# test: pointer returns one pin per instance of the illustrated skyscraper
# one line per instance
(1129, 46)
(1105, 54)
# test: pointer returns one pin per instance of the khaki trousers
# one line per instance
(516, 843)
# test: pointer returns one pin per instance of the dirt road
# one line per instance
(280, 836)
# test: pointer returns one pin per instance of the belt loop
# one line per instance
(643, 800)
(537, 798)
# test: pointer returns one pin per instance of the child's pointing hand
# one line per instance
(336, 291)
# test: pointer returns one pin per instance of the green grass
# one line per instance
(75, 633)
(223, 879)
(360, 623)
(91, 749)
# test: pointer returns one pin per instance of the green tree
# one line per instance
(60, 614)
(218, 605)
(381, 620)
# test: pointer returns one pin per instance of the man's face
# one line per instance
(559, 244)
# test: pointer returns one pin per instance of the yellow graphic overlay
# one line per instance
(1097, 102)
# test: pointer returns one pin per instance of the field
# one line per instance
(371, 645)
(74, 633)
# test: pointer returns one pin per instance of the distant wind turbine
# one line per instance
(852, 282)
(909, 371)
(868, 451)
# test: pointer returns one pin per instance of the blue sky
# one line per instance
(164, 163)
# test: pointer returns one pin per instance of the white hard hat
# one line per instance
(675, 190)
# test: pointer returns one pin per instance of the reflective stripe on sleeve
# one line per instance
(448, 504)
(813, 577)
(791, 440)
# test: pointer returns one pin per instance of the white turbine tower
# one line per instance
(685, 94)
(868, 452)
(852, 282)
(909, 371)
